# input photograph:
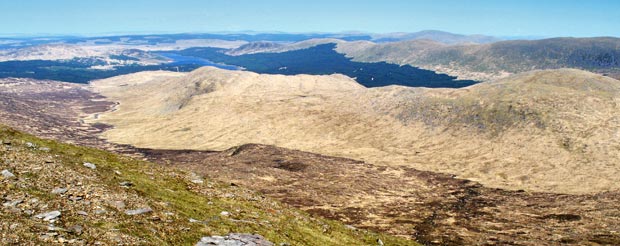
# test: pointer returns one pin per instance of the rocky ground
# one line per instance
(55, 193)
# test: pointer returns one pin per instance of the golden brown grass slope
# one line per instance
(554, 130)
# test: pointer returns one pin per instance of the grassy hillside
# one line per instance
(550, 131)
(95, 204)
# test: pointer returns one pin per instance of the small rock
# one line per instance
(192, 220)
(126, 184)
(138, 211)
(45, 149)
(195, 178)
(84, 213)
(48, 236)
(350, 227)
(48, 216)
(75, 198)
(7, 174)
(100, 211)
(6, 142)
(117, 204)
(76, 229)
(90, 165)
(30, 145)
(379, 242)
(13, 226)
(28, 212)
(55, 228)
(59, 191)
(225, 213)
(12, 203)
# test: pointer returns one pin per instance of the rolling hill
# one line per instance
(552, 131)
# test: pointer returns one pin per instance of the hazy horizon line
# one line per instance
(247, 32)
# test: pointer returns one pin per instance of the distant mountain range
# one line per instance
(159, 39)
(468, 57)
(439, 36)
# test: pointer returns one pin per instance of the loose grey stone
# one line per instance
(76, 198)
(84, 213)
(235, 239)
(100, 211)
(350, 227)
(55, 228)
(7, 174)
(12, 203)
(126, 184)
(138, 211)
(195, 178)
(45, 149)
(224, 213)
(59, 190)
(30, 145)
(76, 229)
(117, 204)
(47, 236)
(90, 165)
(48, 216)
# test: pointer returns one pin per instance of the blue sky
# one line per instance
(499, 17)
